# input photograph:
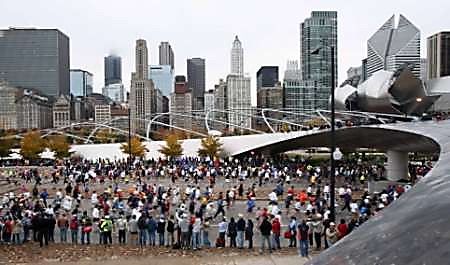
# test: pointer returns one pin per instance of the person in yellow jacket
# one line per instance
(106, 227)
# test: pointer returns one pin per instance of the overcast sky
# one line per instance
(268, 29)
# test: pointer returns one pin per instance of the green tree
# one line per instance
(104, 136)
(137, 147)
(59, 145)
(172, 148)
(32, 145)
(6, 143)
(210, 146)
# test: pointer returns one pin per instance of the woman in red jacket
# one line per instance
(276, 231)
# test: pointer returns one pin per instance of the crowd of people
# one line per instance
(192, 203)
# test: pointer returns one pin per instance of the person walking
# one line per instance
(106, 227)
(74, 226)
(276, 232)
(122, 226)
(240, 231)
(170, 231)
(63, 224)
(232, 232)
(133, 230)
(161, 229)
(142, 226)
(151, 228)
(86, 228)
(265, 228)
(303, 232)
(331, 235)
(249, 233)
(293, 232)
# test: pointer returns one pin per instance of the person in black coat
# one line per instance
(232, 232)
(249, 233)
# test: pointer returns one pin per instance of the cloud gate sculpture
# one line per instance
(397, 92)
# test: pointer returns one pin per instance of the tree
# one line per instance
(172, 148)
(210, 146)
(104, 136)
(6, 143)
(32, 145)
(59, 145)
(137, 147)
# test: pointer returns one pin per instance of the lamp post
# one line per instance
(333, 134)
(129, 138)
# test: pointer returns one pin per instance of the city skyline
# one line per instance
(271, 39)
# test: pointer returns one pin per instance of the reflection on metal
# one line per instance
(414, 228)
(397, 92)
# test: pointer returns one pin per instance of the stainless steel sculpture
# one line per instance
(397, 92)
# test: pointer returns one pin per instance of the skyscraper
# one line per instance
(36, 59)
(438, 55)
(140, 91)
(390, 47)
(238, 89)
(267, 76)
(113, 70)
(237, 57)
(166, 56)
(81, 83)
(319, 31)
(196, 81)
(162, 77)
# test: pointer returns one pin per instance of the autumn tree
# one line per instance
(210, 146)
(172, 148)
(104, 136)
(32, 145)
(137, 147)
(59, 145)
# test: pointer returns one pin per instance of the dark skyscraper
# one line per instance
(267, 76)
(113, 70)
(438, 51)
(35, 58)
(196, 81)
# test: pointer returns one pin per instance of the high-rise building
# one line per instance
(141, 89)
(392, 47)
(196, 81)
(438, 55)
(181, 85)
(220, 104)
(181, 104)
(113, 70)
(61, 112)
(319, 32)
(166, 56)
(237, 57)
(292, 71)
(81, 83)
(301, 95)
(239, 101)
(36, 59)
(23, 108)
(423, 69)
(238, 89)
(116, 92)
(209, 100)
(270, 97)
(162, 77)
(267, 76)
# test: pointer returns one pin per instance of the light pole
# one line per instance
(129, 137)
(333, 134)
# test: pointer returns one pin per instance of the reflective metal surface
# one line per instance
(414, 229)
